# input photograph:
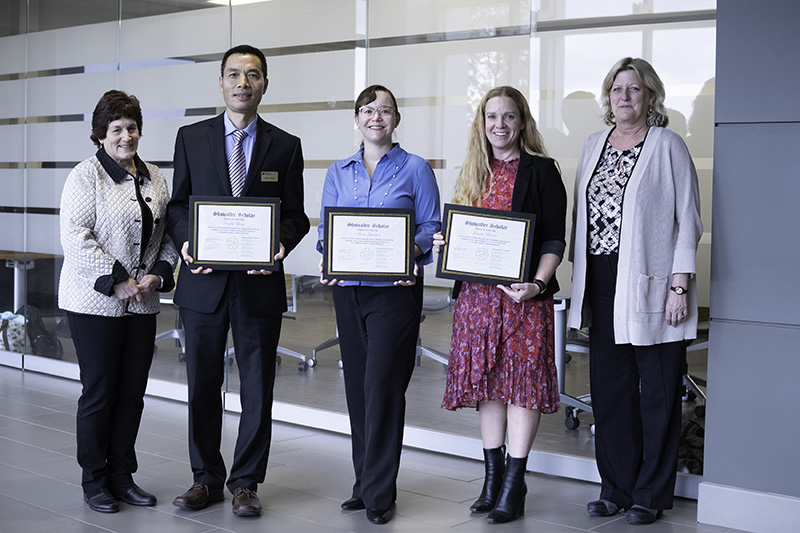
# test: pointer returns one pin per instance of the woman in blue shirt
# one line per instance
(378, 321)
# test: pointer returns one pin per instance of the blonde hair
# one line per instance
(656, 113)
(473, 180)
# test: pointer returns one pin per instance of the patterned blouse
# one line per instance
(501, 350)
(605, 193)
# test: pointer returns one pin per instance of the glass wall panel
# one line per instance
(131, 9)
(46, 15)
(13, 263)
(419, 19)
(13, 20)
(315, 52)
(590, 9)
(57, 57)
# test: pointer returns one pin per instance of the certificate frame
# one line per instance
(249, 224)
(395, 244)
(455, 261)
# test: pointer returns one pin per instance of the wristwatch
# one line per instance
(678, 290)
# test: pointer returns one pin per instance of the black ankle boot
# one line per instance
(511, 502)
(493, 463)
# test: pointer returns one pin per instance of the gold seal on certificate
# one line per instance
(230, 233)
(367, 244)
(485, 245)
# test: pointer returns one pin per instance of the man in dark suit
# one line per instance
(250, 303)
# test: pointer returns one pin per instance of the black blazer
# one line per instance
(201, 168)
(538, 189)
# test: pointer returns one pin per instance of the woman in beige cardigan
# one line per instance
(636, 226)
(117, 257)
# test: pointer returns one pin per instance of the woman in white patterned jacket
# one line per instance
(636, 227)
(117, 257)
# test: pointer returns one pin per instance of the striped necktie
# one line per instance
(237, 167)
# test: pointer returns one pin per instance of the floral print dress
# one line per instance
(501, 350)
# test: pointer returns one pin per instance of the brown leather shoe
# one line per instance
(198, 497)
(246, 502)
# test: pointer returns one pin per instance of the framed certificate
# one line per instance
(485, 245)
(234, 233)
(366, 244)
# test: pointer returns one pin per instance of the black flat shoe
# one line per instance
(134, 495)
(353, 504)
(639, 515)
(602, 508)
(379, 516)
(101, 501)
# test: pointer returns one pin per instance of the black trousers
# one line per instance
(636, 401)
(114, 357)
(378, 330)
(255, 339)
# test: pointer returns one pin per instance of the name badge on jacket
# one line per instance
(269, 176)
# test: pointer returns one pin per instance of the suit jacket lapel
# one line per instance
(260, 149)
(522, 181)
(216, 139)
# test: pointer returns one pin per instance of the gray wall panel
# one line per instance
(757, 73)
(751, 423)
(755, 252)
(753, 357)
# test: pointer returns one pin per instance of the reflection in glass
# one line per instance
(13, 19)
(588, 9)
(55, 14)
(132, 9)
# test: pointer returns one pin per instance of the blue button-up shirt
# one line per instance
(400, 181)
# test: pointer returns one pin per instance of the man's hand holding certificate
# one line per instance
(235, 233)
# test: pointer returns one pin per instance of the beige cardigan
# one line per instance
(661, 229)
(100, 225)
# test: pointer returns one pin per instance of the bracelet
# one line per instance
(541, 284)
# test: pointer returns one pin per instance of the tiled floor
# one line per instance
(309, 475)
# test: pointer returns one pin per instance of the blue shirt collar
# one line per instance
(396, 155)
(230, 128)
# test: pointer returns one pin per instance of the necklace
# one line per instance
(388, 189)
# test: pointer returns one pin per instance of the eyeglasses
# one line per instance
(369, 112)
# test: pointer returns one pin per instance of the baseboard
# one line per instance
(554, 464)
(746, 510)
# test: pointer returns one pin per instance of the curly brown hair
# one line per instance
(114, 105)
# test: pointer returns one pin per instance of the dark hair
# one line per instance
(114, 105)
(244, 49)
(371, 93)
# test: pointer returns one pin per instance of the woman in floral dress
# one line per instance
(502, 357)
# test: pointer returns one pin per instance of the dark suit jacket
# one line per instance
(201, 168)
(538, 189)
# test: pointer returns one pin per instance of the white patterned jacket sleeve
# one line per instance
(78, 218)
